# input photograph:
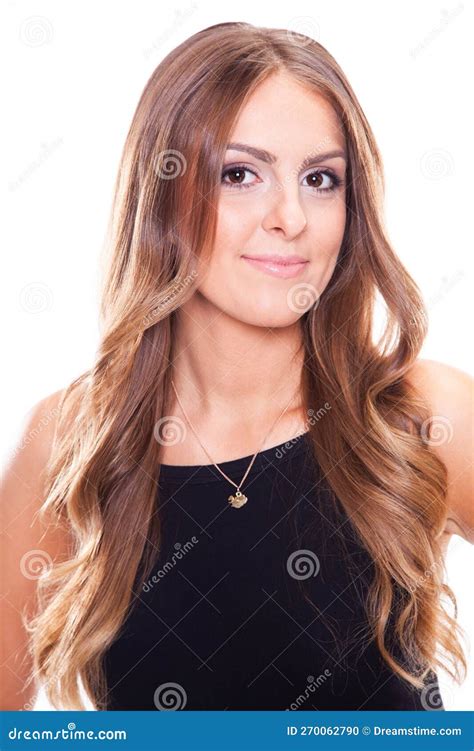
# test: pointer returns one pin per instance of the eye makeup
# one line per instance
(336, 181)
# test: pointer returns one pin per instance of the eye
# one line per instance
(237, 172)
(318, 179)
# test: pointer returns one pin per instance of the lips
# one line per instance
(284, 267)
(283, 260)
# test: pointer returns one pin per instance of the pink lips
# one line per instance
(285, 267)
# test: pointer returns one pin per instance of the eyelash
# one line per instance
(336, 181)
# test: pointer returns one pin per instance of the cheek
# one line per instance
(326, 220)
(234, 232)
(226, 281)
(325, 232)
(235, 227)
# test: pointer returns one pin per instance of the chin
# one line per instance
(278, 317)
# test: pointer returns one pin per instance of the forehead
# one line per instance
(282, 115)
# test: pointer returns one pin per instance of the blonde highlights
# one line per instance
(103, 471)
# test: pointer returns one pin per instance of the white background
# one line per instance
(75, 73)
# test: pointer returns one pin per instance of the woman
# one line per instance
(246, 498)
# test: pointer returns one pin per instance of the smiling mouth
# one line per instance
(284, 268)
(279, 259)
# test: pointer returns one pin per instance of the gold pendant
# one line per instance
(238, 499)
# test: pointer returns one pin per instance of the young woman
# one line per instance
(245, 502)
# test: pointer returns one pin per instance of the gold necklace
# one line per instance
(239, 498)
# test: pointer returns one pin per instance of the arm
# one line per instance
(27, 546)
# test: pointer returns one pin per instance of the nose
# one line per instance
(284, 212)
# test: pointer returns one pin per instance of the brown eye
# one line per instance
(239, 175)
(234, 177)
(315, 180)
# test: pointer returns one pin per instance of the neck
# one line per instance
(233, 371)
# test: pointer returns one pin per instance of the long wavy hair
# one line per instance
(374, 451)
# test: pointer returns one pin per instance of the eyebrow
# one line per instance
(266, 156)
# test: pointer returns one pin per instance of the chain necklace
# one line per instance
(239, 498)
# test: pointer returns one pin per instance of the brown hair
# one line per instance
(104, 467)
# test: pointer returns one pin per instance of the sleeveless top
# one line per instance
(255, 608)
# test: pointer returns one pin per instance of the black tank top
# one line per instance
(255, 608)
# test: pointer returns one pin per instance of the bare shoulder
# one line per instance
(31, 439)
(33, 435)
(29, 544)
(23, 474)
(449, 392)
(23, 486)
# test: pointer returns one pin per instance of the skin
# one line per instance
(237, 360)
(449, 392)
(237, 365)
